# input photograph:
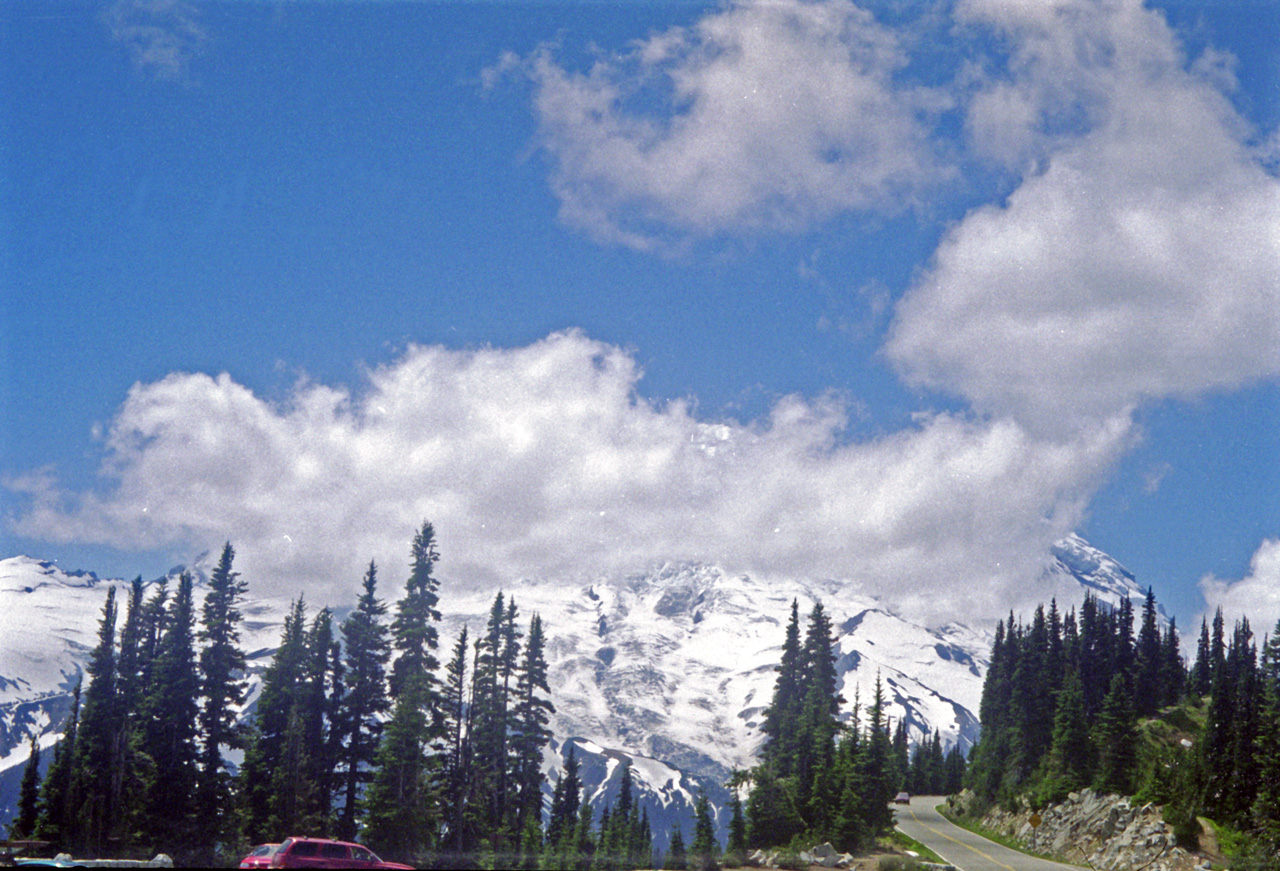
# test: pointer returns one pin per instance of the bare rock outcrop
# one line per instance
(1106, 831)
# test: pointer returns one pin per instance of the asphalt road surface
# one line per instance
(960, 847)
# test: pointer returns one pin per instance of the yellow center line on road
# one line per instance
(986, 856)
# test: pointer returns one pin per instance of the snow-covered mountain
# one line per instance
(1098, 573)
(669, 669)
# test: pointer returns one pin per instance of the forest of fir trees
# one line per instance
(1078, 700)
(361, 732)
(823, 777)
(357, 731)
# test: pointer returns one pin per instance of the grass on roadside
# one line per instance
(905, 842)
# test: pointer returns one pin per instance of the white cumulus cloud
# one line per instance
(1139, 258)
(543, 462)
(764, 115)
(1256, 596)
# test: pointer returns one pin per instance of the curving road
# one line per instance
(960, 847)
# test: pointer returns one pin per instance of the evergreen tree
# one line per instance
(1231, 731)
(1151, 662)
(584, 842)
(818, 723)
(643, 853)
(927, 767)
(154, 617)
(319, 709)
(1116, 739)
(1217, 646)
(1125, 647)
(736, 848)
(293, 807)
(1201, 678)
(1031, 706)
(850, 831)
(413, 630)
(782, 716)
(1096, 663)
(55, 789)
(1173, 671)
(170, 732)
(94, 814)
(677, 859)
(955, 768)
(565, 806)
(277, 712)
(222, 666)
(876, 769)
(130, 767)
(399, 807)
(901, 744)
(531, 732)
(24, 824)
(368, 649)
(772, 815)
(705, 850)
(455, 775)
(496, 657)
(1070, 764)
(1266, 806)
(995, 713)
(129, 665)
(403, 805)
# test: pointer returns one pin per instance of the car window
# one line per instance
(306, 848)
(360, 854)
(333, 851)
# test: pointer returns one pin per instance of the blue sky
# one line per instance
(895, 294)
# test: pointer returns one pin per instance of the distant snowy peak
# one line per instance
(1097, 573)
(24, 574)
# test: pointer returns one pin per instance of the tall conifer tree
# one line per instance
(1116, 740)
(171, 732)
(368, 648)
(1151, 670)
(782, 716)
(413, 630)
(263, 804)
(55, 789)
(532, 715)
(24, 824)
(100, 726)
(705, 849)
(222, 669)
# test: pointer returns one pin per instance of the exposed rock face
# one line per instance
(1105, 831)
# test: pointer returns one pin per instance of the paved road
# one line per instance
(960, 847)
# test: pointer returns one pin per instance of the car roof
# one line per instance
(326, 841)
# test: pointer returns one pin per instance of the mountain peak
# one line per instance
(1097, 572)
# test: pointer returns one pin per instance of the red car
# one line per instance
(323, 853)
(259, 856)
